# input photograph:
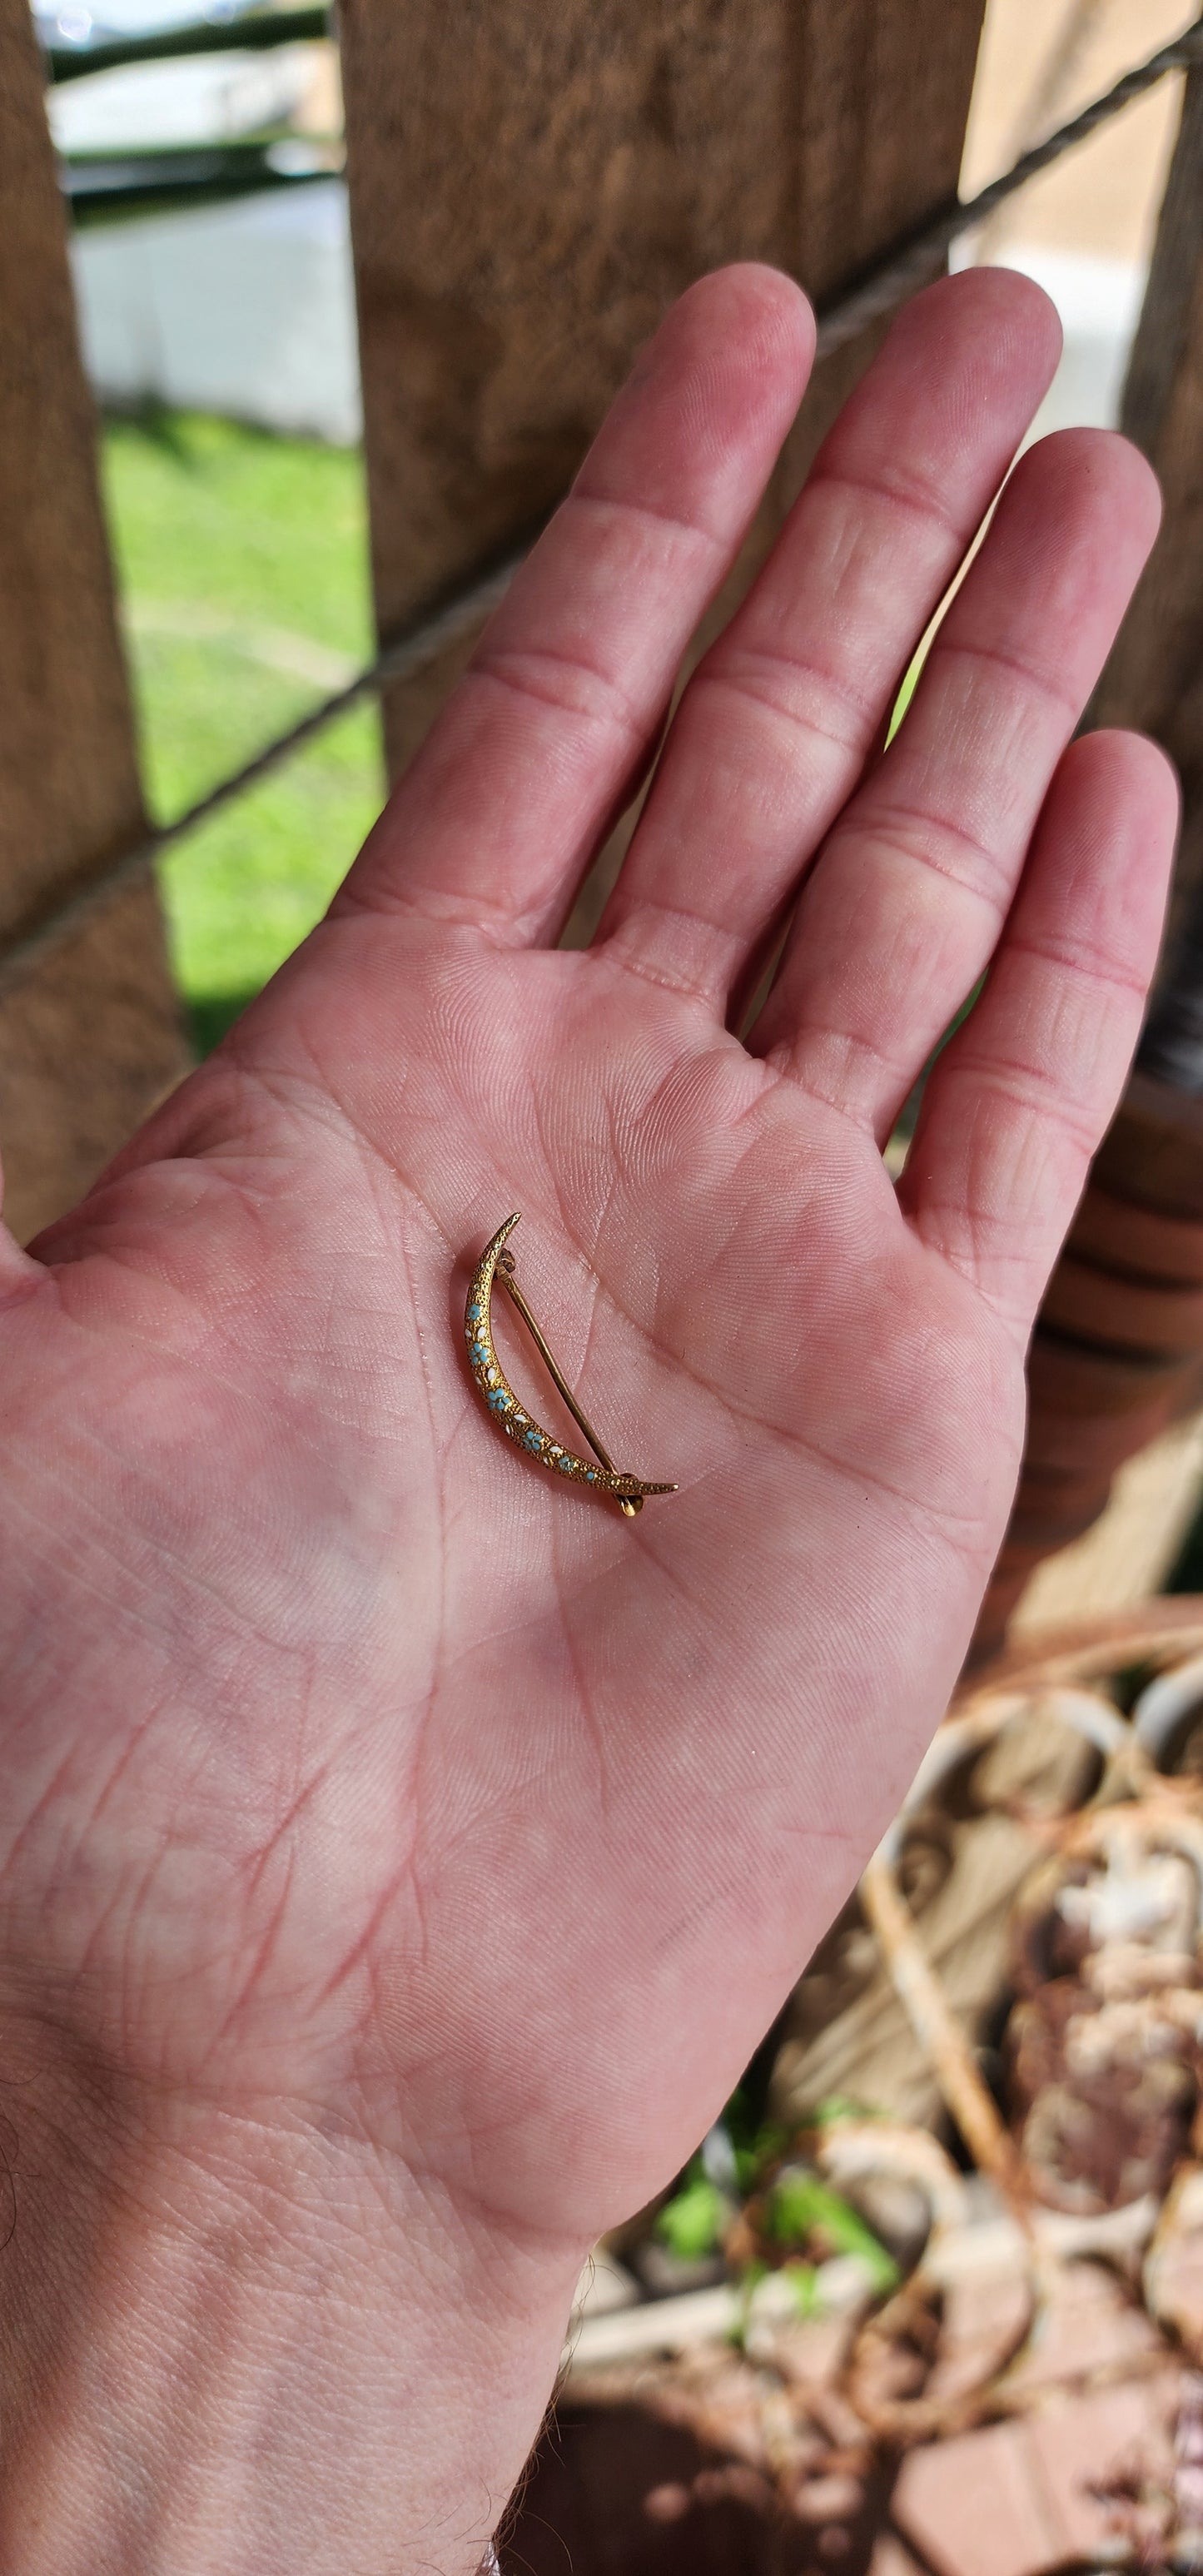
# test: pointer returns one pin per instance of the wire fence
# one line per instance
(868, 298)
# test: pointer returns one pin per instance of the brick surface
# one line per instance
(1080, 2446)
(970, 2505)
(891, 2559)
(1089, 2327)
(1023, 2498)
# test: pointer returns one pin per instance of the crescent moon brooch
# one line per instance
(492, 1383)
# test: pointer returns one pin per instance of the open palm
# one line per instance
(368, 1791)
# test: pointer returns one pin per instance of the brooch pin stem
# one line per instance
(505, 1272)
(497, 1263)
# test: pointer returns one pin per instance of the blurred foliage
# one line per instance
(691, 2224)
(796, 2219)
(805, 2212)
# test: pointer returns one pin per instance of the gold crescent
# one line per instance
(520, 1425)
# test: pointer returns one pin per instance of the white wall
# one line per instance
(246, 308)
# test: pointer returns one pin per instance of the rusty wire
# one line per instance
(912, 262)
(413, 648)
(453, 615)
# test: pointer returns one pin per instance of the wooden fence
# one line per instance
(529, 189)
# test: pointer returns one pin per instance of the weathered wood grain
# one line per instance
(92, 1036)
(531, 188)
(1153, 678)
(1102, 1294)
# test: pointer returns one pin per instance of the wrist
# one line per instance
(265, 2351)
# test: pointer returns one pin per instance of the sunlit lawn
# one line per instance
(242, 560)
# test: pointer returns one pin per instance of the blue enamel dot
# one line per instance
(591, 1475)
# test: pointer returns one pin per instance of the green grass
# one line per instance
(242, 566)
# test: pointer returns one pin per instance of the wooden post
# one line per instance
(1118, 1349)
(1155, 676)
(530, 187)
(90, 1035)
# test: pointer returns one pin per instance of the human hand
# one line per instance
(400, 1852)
